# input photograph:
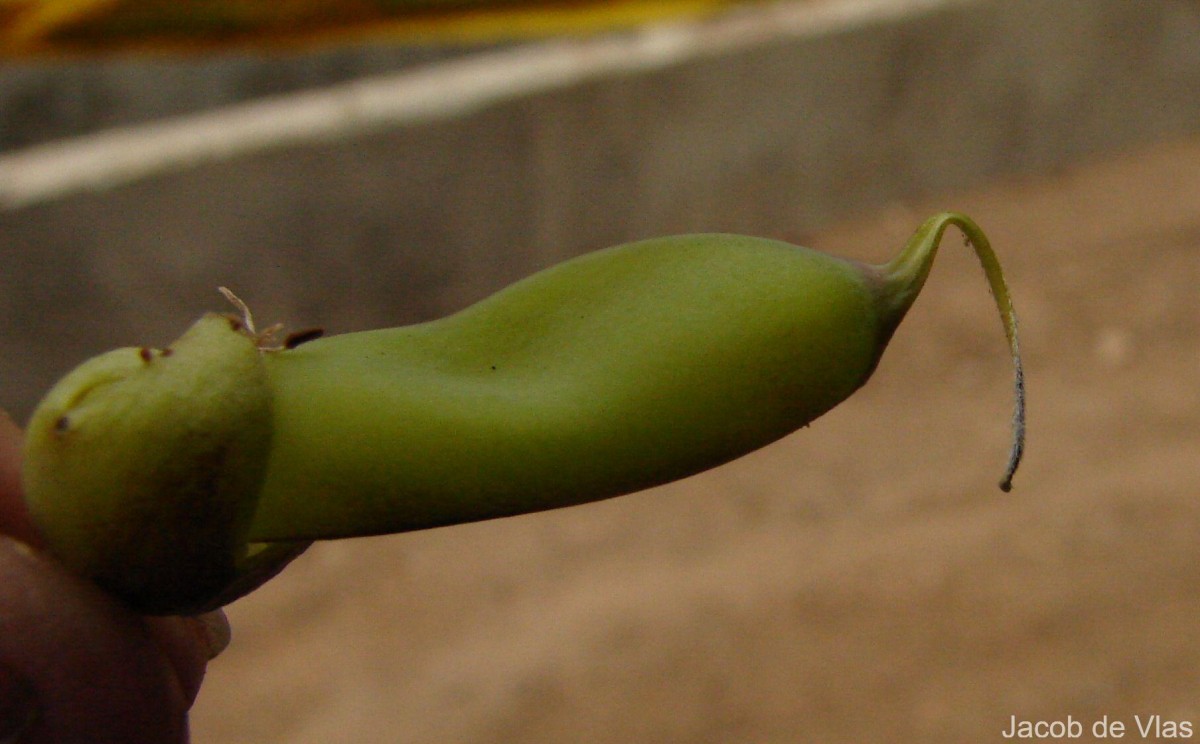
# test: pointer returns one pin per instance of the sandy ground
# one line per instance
(862, 580)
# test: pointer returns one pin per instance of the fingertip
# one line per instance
(189, 643)
(95, 670)
(215, 631)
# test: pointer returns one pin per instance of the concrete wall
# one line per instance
(46, 99)
(776, 136)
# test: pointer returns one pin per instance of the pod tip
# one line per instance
(905, 275)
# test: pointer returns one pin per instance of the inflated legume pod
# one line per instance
(180, 478)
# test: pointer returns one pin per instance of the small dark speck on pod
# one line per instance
(62, 425)
(147, 354)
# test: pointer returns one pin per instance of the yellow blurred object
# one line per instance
(57, 26)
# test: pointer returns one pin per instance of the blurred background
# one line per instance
(861, 580)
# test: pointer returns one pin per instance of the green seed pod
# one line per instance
(610, 373)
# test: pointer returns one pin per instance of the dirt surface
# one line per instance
(862, 580)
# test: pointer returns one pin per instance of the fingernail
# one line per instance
(214, 631)
(18, 706)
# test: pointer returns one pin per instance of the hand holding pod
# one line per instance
(180, 479)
